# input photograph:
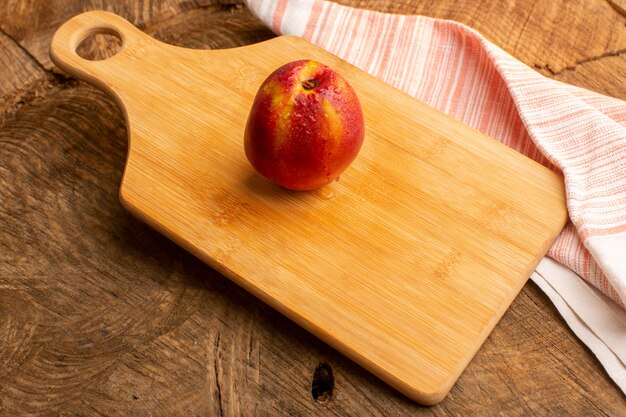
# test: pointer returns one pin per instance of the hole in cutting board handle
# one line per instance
(99, 43)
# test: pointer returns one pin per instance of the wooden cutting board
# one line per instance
(429, 236)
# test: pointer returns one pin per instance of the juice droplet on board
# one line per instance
(325, 193)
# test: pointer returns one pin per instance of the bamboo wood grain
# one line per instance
(430, 234)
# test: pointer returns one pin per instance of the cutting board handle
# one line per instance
(69, 36)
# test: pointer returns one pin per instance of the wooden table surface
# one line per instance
(100, 315)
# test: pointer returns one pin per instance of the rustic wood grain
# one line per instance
(101, 315)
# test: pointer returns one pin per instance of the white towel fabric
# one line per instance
(593, 317)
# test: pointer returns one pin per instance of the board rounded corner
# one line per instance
(428, 397)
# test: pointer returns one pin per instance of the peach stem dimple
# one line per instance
(310, 84)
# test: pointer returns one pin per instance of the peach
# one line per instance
(305, 126)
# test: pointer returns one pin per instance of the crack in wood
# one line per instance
(33, 91)
(216, 358)
(525, 25)
(617, 7)
(579, 62)
(26, 51)
(25, 94)
(323, 383)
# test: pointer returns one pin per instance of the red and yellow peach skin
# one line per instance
(305, 126)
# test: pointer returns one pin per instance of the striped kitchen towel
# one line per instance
(575, 131)
(458, 71)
